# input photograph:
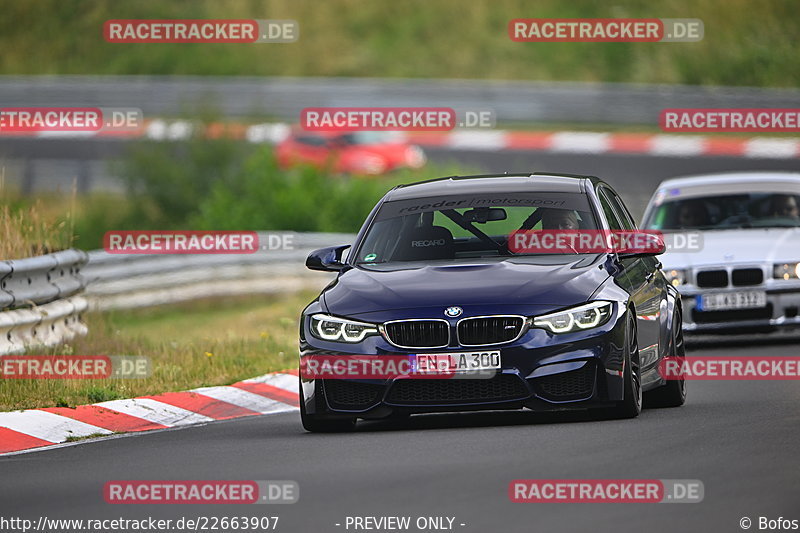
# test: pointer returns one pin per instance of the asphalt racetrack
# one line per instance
(740, 438)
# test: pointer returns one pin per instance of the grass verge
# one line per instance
(197, 344)
(743, 45)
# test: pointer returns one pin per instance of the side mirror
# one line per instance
(327, 259)
(645, 243)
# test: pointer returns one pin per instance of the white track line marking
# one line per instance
(282, 381)
(579, 141)
(48, 426)
(771, 148)
(243, 398)
(677, 145)
(477, 140)
(155, 411)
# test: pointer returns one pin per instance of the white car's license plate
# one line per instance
(456, 362)
(731, 300)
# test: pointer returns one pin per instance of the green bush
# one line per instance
(302, 199)
(265, 197)
(217, 184)
(172, 179)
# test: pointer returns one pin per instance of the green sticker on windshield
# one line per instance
(370, 257)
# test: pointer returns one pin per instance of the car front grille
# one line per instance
(747, 276)
(352, 395)
(503, 387)
(418, 333)
(712, 278)
(481, 331)
(573, 385)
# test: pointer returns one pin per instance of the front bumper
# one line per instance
(781, 312)
(540, 371)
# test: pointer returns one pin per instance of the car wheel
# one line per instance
(316, 424)
(631, 405)
(673, 394)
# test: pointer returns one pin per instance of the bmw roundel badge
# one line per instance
(453, 311)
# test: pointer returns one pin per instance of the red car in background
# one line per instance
(352, 152)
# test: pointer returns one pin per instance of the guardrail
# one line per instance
(39, 300)
(117, 281)
(40, 304)
(285, 97)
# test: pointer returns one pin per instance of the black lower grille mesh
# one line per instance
(489, 330)
(355, 395)
(503, 387)
(572, 385)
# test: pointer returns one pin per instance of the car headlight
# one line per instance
(331, 328)
(675, 277)
(371, 164)
(415, 157)
(786, 271)
(579, 318)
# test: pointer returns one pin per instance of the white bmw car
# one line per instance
(744, 272)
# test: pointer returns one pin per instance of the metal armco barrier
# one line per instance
(116, 281)
(41, 306)
(42, 279)
(38, 300)
(285, 97)
(45, 325)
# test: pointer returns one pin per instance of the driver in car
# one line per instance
(785, 206)
(564, 219)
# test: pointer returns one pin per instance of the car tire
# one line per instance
(631, 404)
(673, 393)
(316, 424)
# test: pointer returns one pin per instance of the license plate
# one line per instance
(731, 300)
(456, 362)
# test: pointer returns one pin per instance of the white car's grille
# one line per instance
(739, 277)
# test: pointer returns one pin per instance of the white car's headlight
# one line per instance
(579, 318)
(331, 328)
(675, 277)
(786, 271)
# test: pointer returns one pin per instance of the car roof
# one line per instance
(731, 182)
(491, 183)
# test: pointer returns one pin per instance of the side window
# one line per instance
(608, 210)
(624, 214)
(310, 140)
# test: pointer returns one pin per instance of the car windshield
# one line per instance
(751, 210)
(477, 226)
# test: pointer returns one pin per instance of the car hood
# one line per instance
(513, 287)
(751, 245)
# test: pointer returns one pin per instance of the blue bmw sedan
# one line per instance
(433, 280)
